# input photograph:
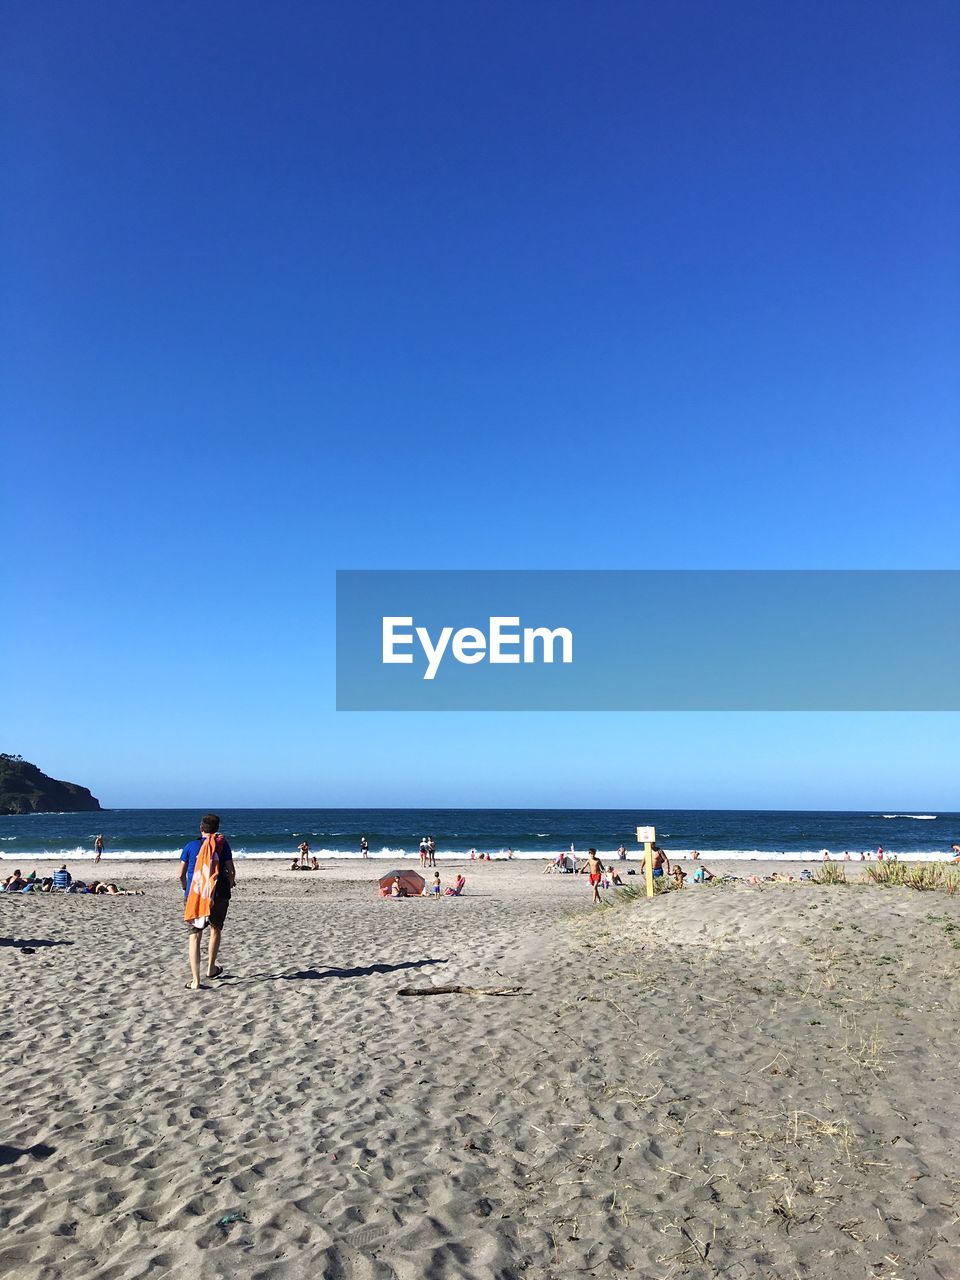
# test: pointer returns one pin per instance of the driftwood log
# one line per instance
(459, 991)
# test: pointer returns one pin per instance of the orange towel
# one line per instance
(204, 882)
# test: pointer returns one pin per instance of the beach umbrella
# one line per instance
(411, 882)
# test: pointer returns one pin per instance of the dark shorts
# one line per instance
(218, 914)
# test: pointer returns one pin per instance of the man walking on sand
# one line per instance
(207, 875)
(98, 848)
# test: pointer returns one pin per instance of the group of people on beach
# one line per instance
(304, 861)
(62, 882)
(865, 856)
(608, 877)
(436, 889)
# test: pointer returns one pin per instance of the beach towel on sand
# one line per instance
(201, 889)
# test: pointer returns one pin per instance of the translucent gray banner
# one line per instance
(648, 640)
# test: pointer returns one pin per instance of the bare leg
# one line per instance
(212, 950)
(194, 946)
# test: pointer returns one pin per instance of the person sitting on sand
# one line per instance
(615, 878)
(396, 889)
(314, 865)
(14, 883)
(679, 875)
(702, 875)
(457, 889)
(295, 865)
(62, 878)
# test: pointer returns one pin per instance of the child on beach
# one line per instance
(679, 875)
(435, 887)
(595, 871)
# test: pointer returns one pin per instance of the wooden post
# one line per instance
(647, 837)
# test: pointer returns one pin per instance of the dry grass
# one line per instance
(913, 875)
(830, 873)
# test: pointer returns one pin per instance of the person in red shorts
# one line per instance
(594, 870)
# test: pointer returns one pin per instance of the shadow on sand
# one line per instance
(35, 942)
(10, 1155)
(320, 975)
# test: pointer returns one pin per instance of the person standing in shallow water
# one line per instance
(210, 847)
(364, 847)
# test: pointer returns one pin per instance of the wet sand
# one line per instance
(741, 1082)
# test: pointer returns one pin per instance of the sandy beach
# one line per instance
(754, 1081)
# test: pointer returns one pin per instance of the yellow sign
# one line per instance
(647, 837)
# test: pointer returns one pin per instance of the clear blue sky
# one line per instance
(304, 286)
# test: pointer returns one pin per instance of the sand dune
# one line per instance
(743, 1082)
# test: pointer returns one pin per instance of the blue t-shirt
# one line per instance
(189, 856)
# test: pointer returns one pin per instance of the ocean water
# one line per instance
(530, 833)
